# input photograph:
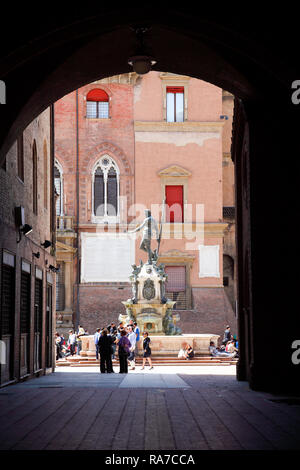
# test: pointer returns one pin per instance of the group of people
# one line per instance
(123, 338)
(109, 341)
(228, 348)
(186, 352)
(73, 344)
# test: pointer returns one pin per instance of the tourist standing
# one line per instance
(96, 341)
(58, 343)
(123, 351)
(104, 344)
(132, 338)
(147, 350)
(137, 334)
(112, 330)
(72, 342)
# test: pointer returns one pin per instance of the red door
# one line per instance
(174, 203)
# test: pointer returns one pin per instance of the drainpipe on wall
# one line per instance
(77, 313)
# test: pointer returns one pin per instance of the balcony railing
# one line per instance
(65, 223)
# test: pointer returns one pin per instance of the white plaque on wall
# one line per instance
(209, 261)
(106, 257)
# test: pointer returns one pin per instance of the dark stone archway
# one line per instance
(245, 53)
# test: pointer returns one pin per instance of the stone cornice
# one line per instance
(174, 171)
(186, 126)
(63, 247)
(176, 256)
(174, 77)
(188, 229)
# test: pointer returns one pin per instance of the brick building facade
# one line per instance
(27, 220)
(126, 143)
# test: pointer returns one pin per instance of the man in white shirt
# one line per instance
(72, 342)
(132, 338)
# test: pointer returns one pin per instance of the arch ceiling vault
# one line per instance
(50, 55)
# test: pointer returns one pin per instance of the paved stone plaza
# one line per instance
(184, 408)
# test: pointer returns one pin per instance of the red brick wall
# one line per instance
(211, 312)
(101, 305)
(114, 136)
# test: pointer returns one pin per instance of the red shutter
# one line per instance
(175, 89)
(97, 95)
(174, 204)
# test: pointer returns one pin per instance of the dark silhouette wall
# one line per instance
(246, 53)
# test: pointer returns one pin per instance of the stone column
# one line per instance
(68, 286)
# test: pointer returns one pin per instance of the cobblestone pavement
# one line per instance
(184, 408)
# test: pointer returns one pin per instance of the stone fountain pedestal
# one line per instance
(148, 306)
(161, 345)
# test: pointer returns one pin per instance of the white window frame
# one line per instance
(105, 168)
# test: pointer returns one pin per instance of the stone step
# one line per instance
(79, 364)
(163, 361)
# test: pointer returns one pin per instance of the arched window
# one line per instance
(58, 185)
(106, 181)
(34, 179)
(97, 104)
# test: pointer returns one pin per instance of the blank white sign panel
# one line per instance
(106, 258)
(209, 261)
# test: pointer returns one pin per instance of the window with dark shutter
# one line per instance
(25, 303)
(99, 193)
(38, 323)
(38, 311)
(176, 286)
(106, 188)
(112, 192)
(8, 300)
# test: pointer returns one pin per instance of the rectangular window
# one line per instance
(176, 286)
(175, 104)
(174, 203)
(38, 323)
(97, 109)
(25, 322)
(20, 151)
(99, 194)
(7, 315)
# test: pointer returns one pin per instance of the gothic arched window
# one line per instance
(106, 180)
